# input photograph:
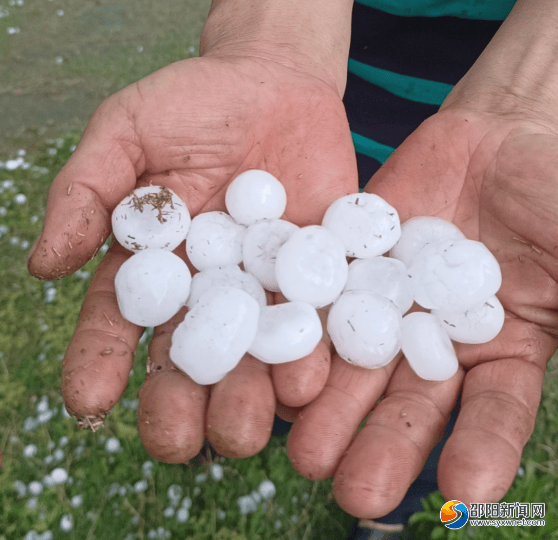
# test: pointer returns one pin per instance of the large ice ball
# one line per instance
(151, 286)
(311, 266)
(365, 328)
(454, 275)
(214, 240)
(383, 275)
(260, 246)
(255, 195)
(151, 217)
(225, 276)
(478, 324)
(427, 347)
(367, 225)
(286, 332)
(418, 232)
(215, 334)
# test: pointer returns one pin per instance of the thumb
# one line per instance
(99, 174)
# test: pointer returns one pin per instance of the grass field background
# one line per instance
(58, 60)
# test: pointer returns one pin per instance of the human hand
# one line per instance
(192, 127)
(494, 176)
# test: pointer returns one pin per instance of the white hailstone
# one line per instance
(35, 488)
(246, 504)
(186, 502)
(229, 275)
(65, 412)
(30, 450)
(294, 499)
(256, 496)
(140, 486)
(76, 501)
(216, 472)
(20, 198)
(112, 445)
(113, 489)
(151, 286)
(122, 491)
(146, 468)
(45, 417)
(454, 275)
(215, 334)
(63, 441)
(58, 454)
(478, 324)
(311, 266)
(174, 493)
(260, 246)
(214, 240)
(50, 295)
(3, 212)
(383, 275)
(48, 460)
(427, 347)
(182, 515)
(286, 332)
(367, 225)
(59, 476)
(196, 491)
(365, 328)
(201, 477)
(168, 512)
(418, 232)
(31, 535)
(67, 523)
(278, 524)
(221, 514)
(267, 489)
(47, 535)
(9, 184)
(255, 195)
(151, 217)
(21, 488)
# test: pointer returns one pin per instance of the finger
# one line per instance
(241, 410)
(99, 357)
(498, 409)
(101, 171)
(171, 409)
(298, 383)
(391, 449)
(324, 429)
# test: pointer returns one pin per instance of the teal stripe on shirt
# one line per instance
(378, 151)
(405, 86)
(487, 10)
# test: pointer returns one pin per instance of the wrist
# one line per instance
(311, 37)
(517, 74)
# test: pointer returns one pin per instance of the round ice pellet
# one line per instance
(215, 334)
(151, 217)
(225, 276)
(365, 328)
(427, 347)
(286, 332)
(418, 232)
(367, 225)
(151, 286)
(255, 195)
(260, 246)
(214, 240)
(454, 275)
(383, 275)
(311, 266)
(479, 324)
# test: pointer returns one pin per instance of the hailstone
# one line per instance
(367, 225)
(151, 286)
(260, 246)
(215, 334)
(454, 275)
(311, 266)
(478, 324)
(286, 332)
(365, 328)
(214, 240)
(225, 276)
(420, 231)
(383, 275)
(427, 347)
(255, 195)
(151, 217)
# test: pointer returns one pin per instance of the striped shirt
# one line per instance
(403, 61)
